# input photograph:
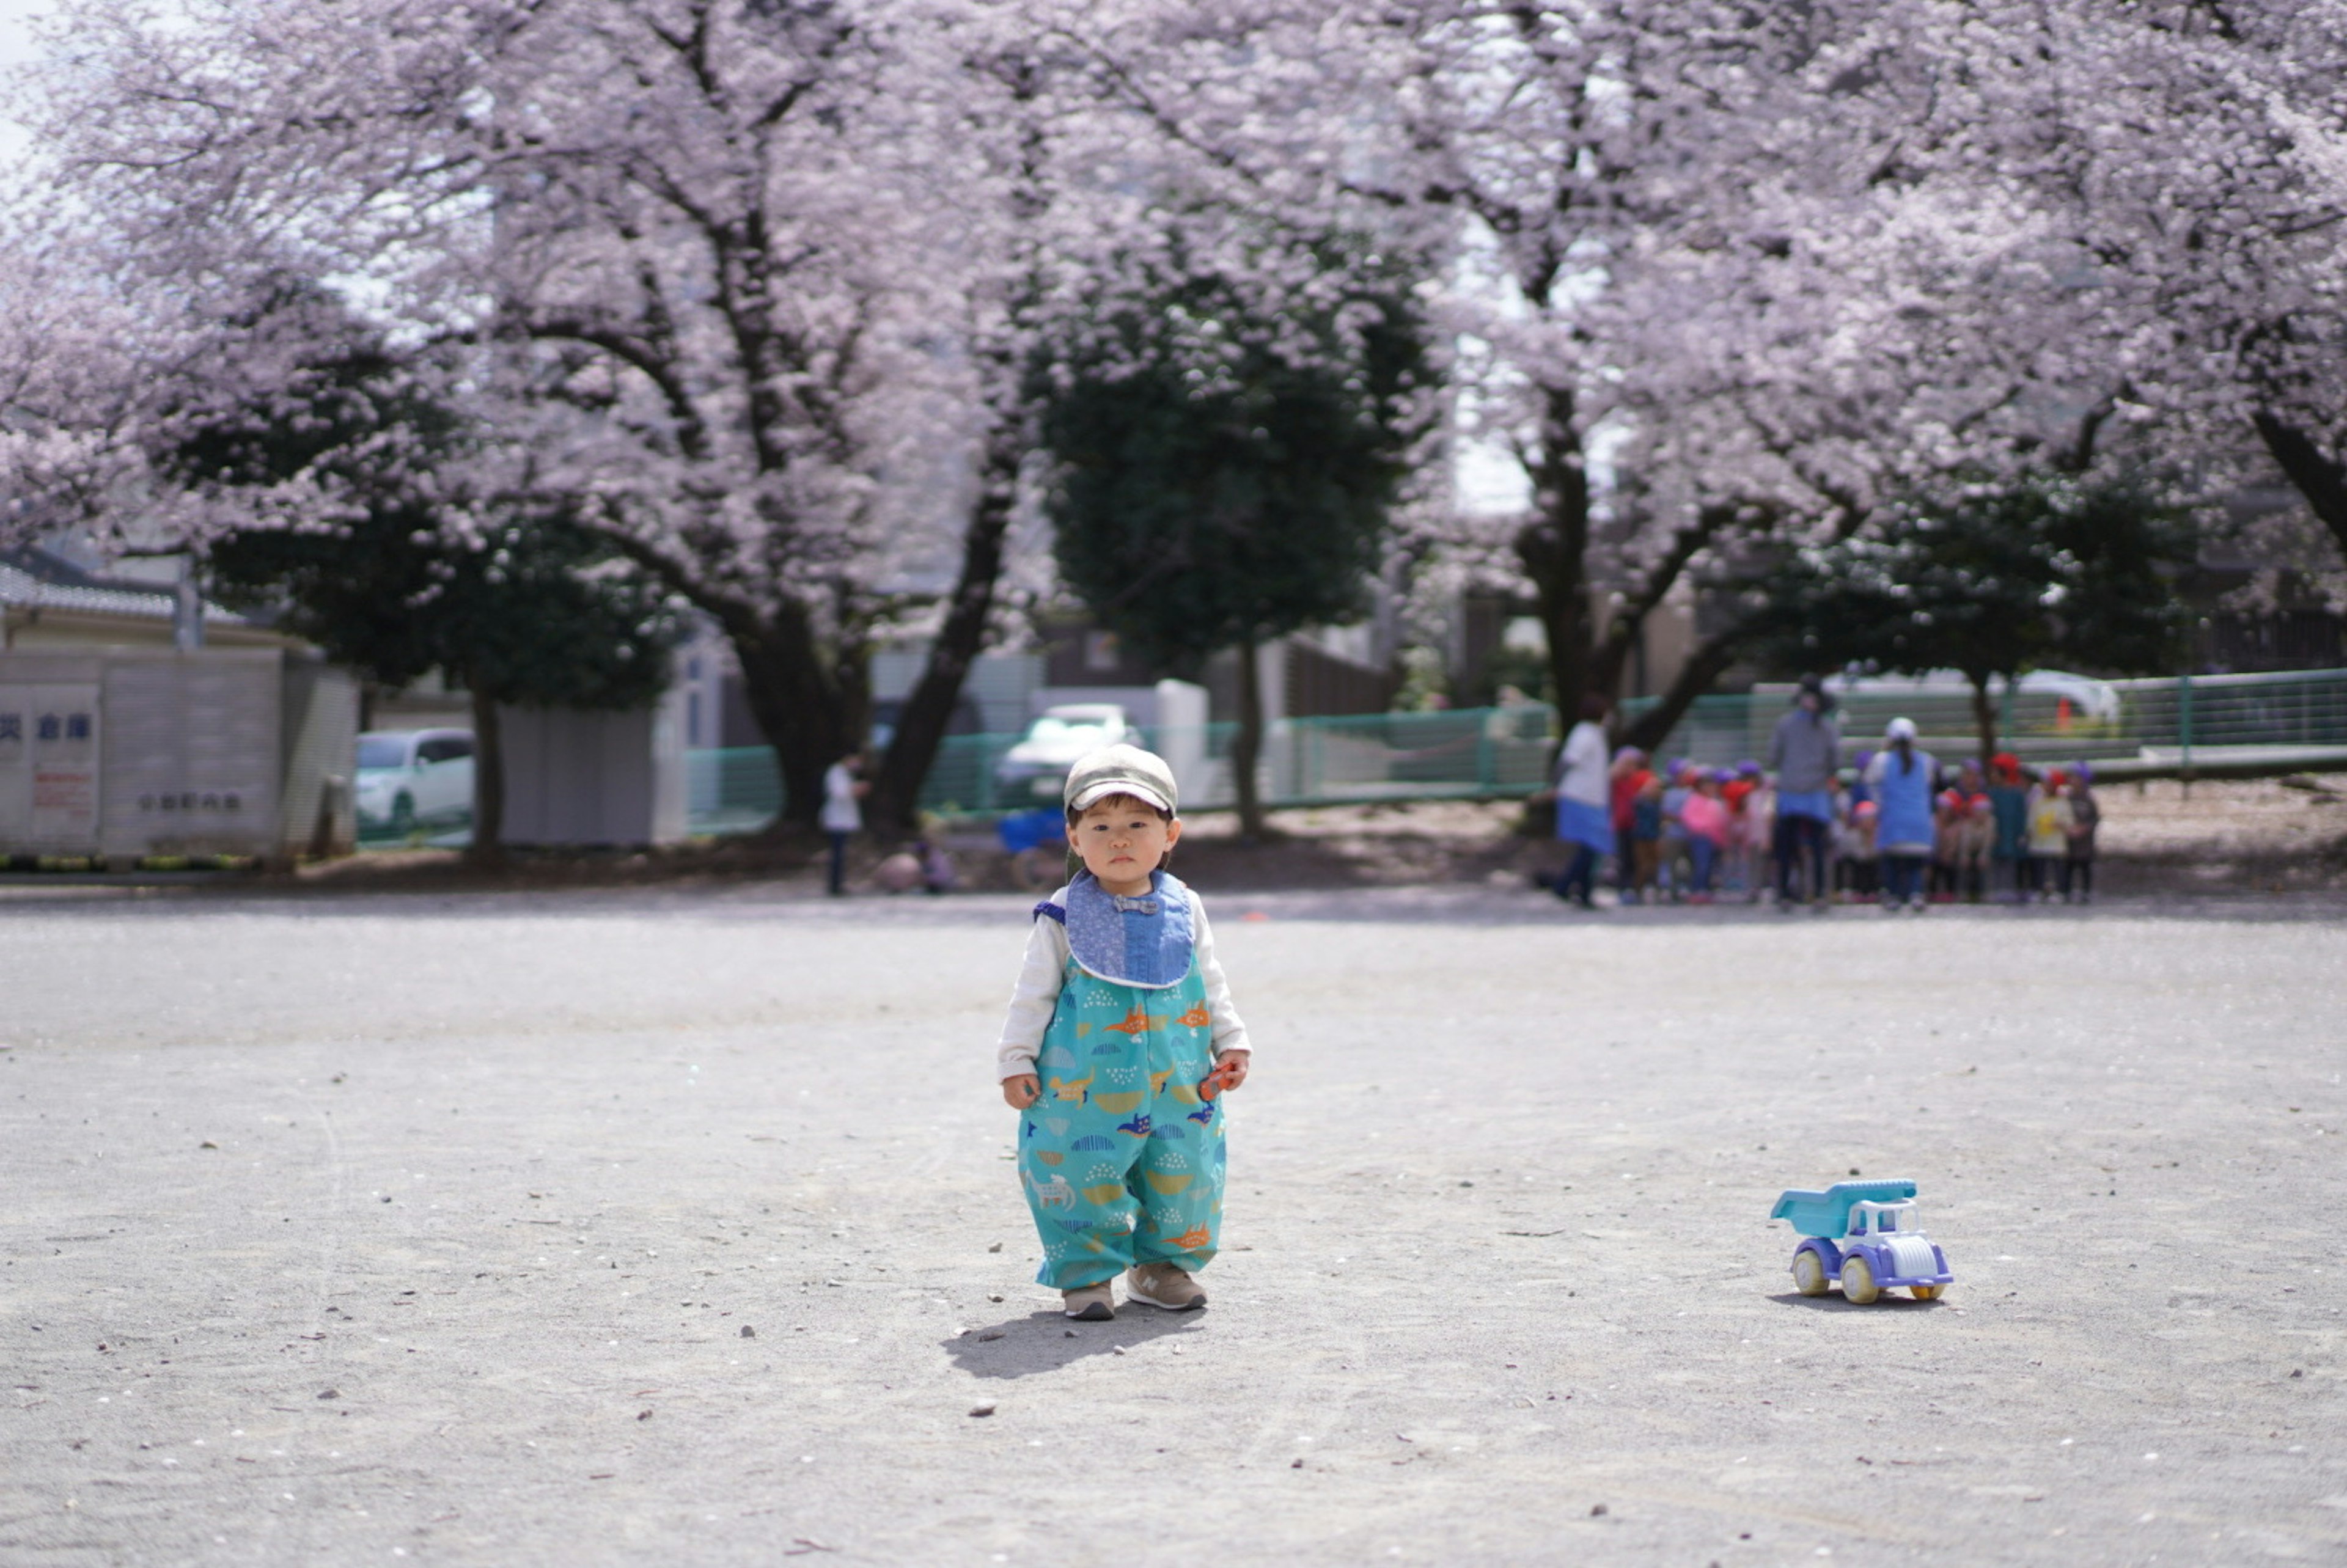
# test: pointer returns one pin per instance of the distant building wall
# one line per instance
(585, 779)
(1320, 682)
(1001, 687)
(129, 753)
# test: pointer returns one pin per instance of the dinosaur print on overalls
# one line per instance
(1116, 1177)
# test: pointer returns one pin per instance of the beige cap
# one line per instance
(1120, 769)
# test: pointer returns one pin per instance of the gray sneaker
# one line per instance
(1092, 1304)
(1163, 1284)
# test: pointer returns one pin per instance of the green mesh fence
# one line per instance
(1493, 753)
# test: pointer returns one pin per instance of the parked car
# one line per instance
(409, 779)
(1036, 767)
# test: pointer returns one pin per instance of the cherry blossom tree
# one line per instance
(2190, 160)
(2239, 236)
(755, 284)
(1723, 278)
(737, 282)
(1734, 274)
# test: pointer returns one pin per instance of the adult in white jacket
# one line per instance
(1584, 814)
(842, 813)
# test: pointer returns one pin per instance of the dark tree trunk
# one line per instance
(1704, 666)
(810, 710)
(1983, 717)
(813, 710)
(1610, 657)
(1246, 746)
(487, 849)
(1612, 647)
(928, 712)
(2319, 476)
(1554, 547)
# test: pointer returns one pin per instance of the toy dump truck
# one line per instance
(1866, 1235)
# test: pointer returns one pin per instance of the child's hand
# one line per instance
(1021, 1092)
(1237, 1063)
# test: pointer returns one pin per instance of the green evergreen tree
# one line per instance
(523, 609)
(1225, 471)
(1999, 580)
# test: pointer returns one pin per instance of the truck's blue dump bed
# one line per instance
(1827, 1213)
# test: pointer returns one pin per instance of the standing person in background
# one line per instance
(1756, 831)
(1979, 845)
(1855, 860)
(843, 789)
(1584, 814)
(1901, 778)
(1680, 784)
(1736, 789)
(1975, 831)
(1646, 837)
(2085, 815)
(1856, 864)
(1943, 878)
(2049, 835)
(1805, 754)
(1627, 777)
(1704, 817)
(2008, 804)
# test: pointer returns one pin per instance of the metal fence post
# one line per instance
(2184, 723)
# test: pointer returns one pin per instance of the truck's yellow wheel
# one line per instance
(1809, 1273)
(1858, 1280)
(1926, 1292)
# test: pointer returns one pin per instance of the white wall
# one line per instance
(1181, 724)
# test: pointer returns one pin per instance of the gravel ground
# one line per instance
(680, 1227)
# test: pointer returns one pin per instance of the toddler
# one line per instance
(1626, 780)
(1704, 816)
(1860, 860)
(1755, 831)
(2085, 815)
(1645, 838)
(1673, 848)
(2008, 800)
(2050, 819)
(1120, 1012)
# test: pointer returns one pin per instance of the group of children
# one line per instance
(1684, 833)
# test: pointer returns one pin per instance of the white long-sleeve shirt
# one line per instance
(841, 813)
(1037, 995)
(1580, 766)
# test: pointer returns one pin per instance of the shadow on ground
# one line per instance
(1047, 1341)
(1835, 1302)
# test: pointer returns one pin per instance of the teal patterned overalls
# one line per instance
(1122, 1161)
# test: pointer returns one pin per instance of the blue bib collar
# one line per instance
(1145, 941)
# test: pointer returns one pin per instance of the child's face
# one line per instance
(1121, 842)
